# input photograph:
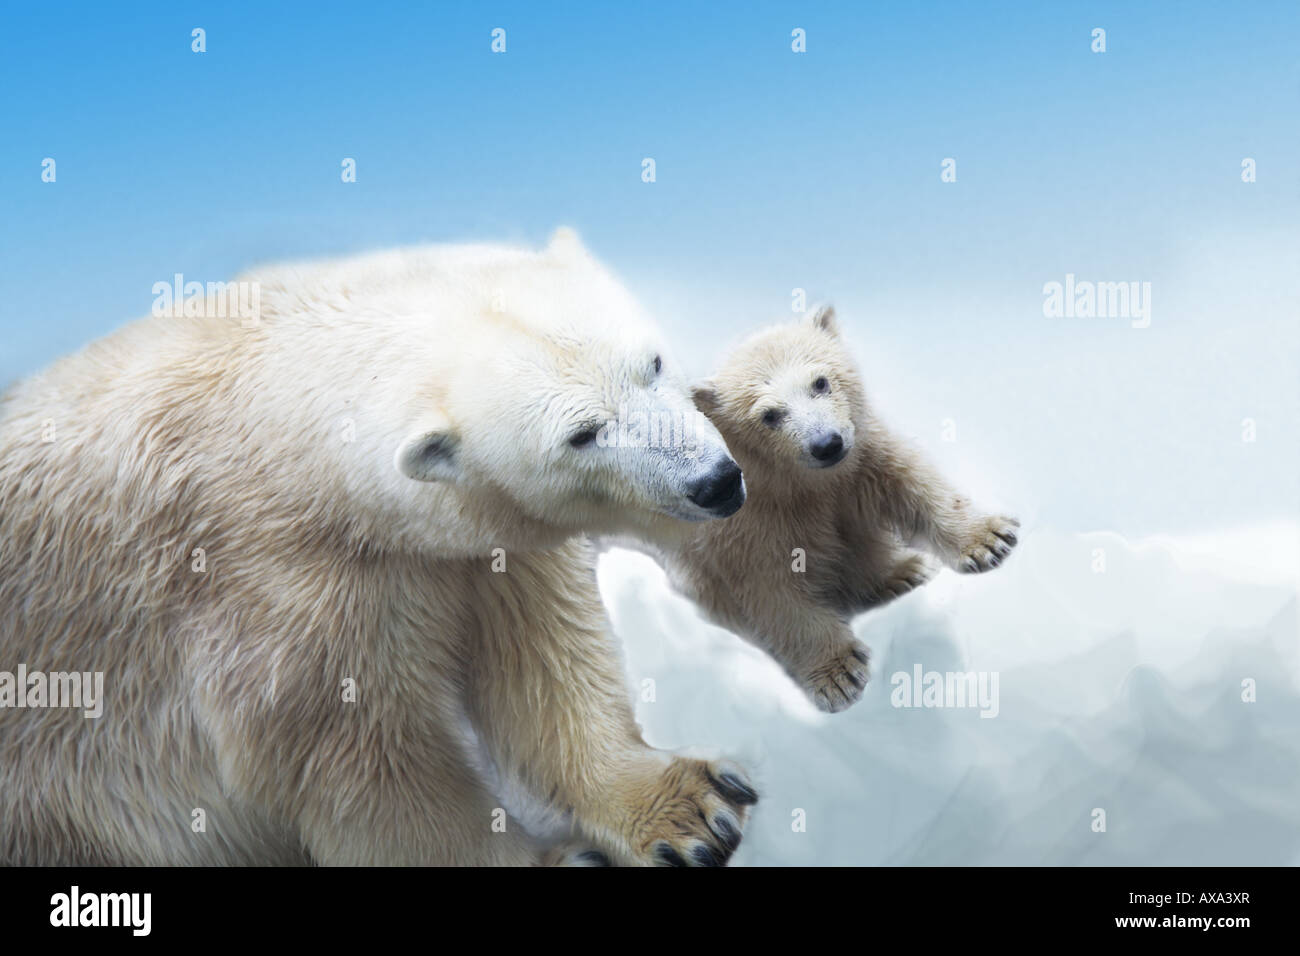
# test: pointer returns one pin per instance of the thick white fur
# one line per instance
(813, 546)
(466, 367)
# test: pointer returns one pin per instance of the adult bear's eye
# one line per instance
(771, 417)
(821, 385)
(583, 438)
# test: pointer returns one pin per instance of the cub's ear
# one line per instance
(429, 454)
(705, 396)
(566, 245)
(823, 317)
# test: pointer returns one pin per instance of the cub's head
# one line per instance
(789, 397)
(560, 410)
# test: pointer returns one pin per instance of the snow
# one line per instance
(1119, 690)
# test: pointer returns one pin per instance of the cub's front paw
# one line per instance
(907, 575)
(986, 543)
(838, 682)
(690, 814)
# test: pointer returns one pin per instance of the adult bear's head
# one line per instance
(548, 403)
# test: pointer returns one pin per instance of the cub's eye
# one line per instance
(583, 438)
(659, 365)
(821, 385)
(771, 417)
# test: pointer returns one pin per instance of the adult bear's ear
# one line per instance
(430, 453)
(705, 396)
(566, 246)
(823, 318)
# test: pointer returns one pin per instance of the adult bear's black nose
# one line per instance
(721, 491)
(827, 447)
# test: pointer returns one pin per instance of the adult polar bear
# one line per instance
(468, 381)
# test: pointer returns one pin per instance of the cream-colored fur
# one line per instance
(813, 546)
(354, 469)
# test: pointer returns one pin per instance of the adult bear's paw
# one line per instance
(688, 813)
(574, 853)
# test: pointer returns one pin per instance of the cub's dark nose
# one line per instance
(827, 447)
(721, 491)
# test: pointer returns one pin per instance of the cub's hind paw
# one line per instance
(838, 683)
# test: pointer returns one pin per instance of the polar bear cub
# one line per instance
(836, 508)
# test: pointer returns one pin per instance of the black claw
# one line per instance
(726, 833)
(735, 789)
(593, 858)
(667, 856)
(858, 682)
(1010, 537)
(708, 856)
(860, 655)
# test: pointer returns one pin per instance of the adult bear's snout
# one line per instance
(721, 492)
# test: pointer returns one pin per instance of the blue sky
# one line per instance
(775, 170)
